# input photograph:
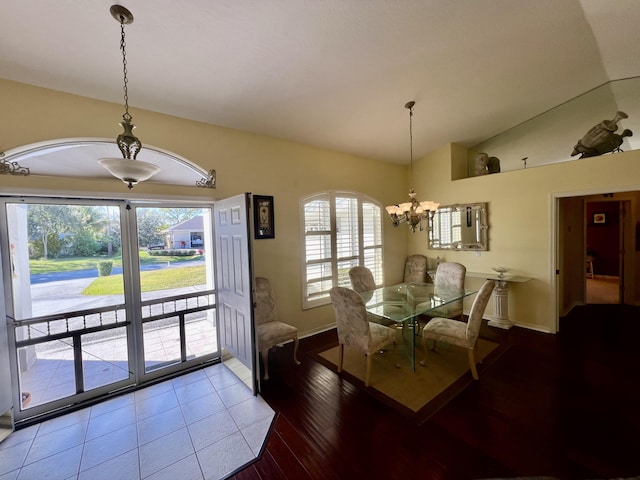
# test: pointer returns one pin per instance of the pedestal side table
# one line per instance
(500, 317)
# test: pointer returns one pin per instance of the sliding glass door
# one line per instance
(103, 295)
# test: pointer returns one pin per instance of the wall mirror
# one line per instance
(459, 227)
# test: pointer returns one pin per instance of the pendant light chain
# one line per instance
(129, 171)
(411, 142)
(127, 117)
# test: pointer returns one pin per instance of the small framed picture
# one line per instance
(263, 217)
(599, 218)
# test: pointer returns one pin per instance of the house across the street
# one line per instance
(187, 234)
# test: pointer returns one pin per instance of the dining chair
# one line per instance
(450, 275)
(362, 282)
(456, 332)
(415, 269)
(356, 331)
(362, 279)
(269, 330)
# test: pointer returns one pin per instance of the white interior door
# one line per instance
(234, 294)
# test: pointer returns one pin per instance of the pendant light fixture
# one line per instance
(413, 211)
(127, 168)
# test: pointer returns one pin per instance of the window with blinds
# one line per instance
(341, 230)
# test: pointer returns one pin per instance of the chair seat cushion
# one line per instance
(445, 311)
(381, 336)
(274, 333)
(446, 330)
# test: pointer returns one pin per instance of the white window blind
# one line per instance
(341, 230)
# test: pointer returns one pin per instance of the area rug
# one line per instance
(418, 394)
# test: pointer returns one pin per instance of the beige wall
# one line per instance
(243, 162)
(521, 206)
(521, 202)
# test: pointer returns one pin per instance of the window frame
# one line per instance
(331, 196)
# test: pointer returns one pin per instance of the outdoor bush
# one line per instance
(35, 250)
(84, 243)
(104, 268)
(54, 247)
(181, 252)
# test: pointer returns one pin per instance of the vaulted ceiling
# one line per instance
(330, 73)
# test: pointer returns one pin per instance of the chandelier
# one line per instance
(413, 211)
(127, 168)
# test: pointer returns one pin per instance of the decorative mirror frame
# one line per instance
(442, 231)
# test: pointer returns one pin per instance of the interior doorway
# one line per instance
(604, 250)
(615, 260)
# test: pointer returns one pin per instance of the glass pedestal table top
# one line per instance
(401, 305)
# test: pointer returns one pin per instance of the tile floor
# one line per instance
(202, 425)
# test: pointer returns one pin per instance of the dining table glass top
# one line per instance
(403, 303)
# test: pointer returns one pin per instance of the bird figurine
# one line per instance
(601, 138)
(611, 144)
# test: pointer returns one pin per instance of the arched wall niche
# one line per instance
(551, 136)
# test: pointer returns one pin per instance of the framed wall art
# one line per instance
(600, 218)
(263, 217)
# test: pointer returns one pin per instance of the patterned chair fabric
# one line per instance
(354, 328)
(459, 333)
(269, 330)
(450, 275)
(362, 279)
(415, 269)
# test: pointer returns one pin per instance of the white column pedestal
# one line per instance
(500, 318)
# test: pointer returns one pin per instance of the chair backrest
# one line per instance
(450, 274)
(415, 269)
(477, 310)
(265, 310)
(351, 318)
(362, 279)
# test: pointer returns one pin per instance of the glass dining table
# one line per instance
(400, 305)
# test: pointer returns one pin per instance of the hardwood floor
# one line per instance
(564, 405)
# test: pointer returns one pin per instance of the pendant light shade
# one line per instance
(129, 171)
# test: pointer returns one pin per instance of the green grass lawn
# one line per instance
(150, 281)
(69, 264)
(53, 265)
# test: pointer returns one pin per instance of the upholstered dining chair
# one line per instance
(450, 275)
(461, 334)
(356, 331)
(415, 269)
(269, 330)
(362, 279)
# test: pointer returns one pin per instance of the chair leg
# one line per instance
(423, 362)
(395, 355)
(340, 356)
(368, 374)
(265, 363)
(295, 351)
(472, 363)
(475, 352)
